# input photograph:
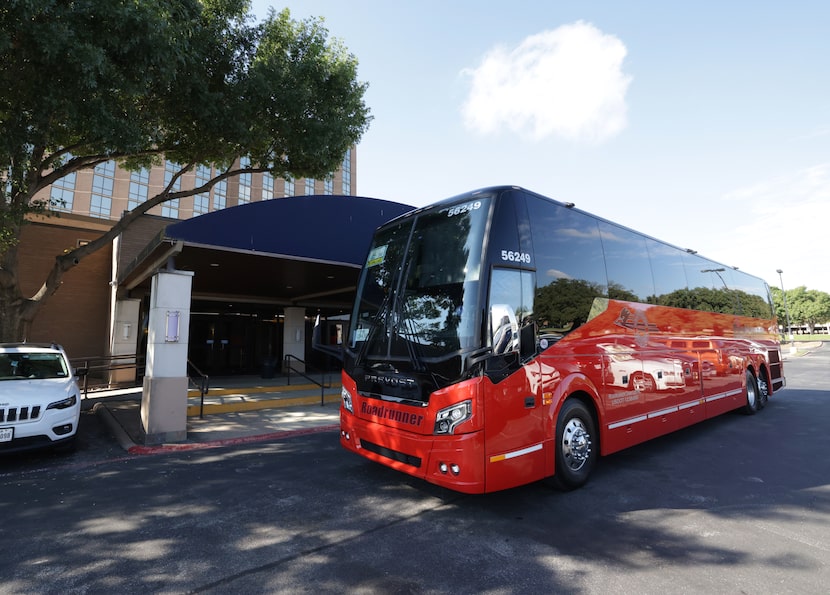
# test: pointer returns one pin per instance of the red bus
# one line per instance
(500, 338)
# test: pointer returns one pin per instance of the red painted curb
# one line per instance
(166, 448)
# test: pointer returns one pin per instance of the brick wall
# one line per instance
(77, 315)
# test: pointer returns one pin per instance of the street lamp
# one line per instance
(718, 273)
(786, 309)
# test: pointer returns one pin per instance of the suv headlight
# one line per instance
(63, 404)
(448, 418)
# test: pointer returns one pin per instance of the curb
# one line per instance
(126, 442)
(140, 449)
(121, 435)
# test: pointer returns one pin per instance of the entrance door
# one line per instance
(226, 343)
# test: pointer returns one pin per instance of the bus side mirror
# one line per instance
(318, 345)
(504, 329)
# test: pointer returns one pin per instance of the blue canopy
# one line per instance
(336, 229)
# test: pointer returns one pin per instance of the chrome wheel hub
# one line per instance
(576, 444)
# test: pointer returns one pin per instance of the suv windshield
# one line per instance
(22, 366)
(418, 296)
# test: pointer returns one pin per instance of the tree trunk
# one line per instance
(16, 315)
(16, 311)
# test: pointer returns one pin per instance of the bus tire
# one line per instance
(753, 395)
(576, 445)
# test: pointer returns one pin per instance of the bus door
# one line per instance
(514, 412)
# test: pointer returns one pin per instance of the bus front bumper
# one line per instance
(454, 462)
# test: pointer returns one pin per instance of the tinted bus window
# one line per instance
(511, 308)
(570, 271)
(667, 269)
(708, 287)
(509, 238)
(626, 259)
(752, 295)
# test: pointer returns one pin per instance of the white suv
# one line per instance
(40, 402)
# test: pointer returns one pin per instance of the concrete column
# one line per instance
(124, 339)
(293, 340)
(164, 400)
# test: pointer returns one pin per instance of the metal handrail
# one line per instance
(203, 385)
(93, 366)
(107, 364)
(323, 385)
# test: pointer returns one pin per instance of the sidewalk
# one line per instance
(236, 410)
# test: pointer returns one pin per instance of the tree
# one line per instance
(807, 307)
(192, 81)
(781, 312)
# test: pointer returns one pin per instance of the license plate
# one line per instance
(6, 434)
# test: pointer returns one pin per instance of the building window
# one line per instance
(170, 208)
(244, 181)
(171, 169)
(267, 186)
(289, 188)
(62, 194)
(139, 188)
(328, 185)
(100, 203)
(201, 201)
(220, 195)
(309, 186)
(346, 172)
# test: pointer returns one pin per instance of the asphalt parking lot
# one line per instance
(736, 504)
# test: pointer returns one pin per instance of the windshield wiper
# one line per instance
(411, 337)
(379, 319)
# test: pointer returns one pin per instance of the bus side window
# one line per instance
(512, 326)
(570, 267)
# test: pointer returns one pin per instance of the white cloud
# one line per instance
(567, 82)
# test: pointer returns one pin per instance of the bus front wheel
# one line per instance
(576, 448)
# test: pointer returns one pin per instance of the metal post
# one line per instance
(786, 309)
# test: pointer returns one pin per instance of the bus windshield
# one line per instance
(418, 296)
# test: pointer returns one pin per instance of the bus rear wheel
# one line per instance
(576, 453)
(753, 395)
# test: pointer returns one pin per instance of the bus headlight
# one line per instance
(346, 396)
(448, 418)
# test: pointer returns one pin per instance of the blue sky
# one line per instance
(703, 124)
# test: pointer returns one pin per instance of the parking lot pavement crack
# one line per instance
(229, 580)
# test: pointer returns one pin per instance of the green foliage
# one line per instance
(194, 81)
(726, 301)
(807, 307)
(90, 80)
(565, 303)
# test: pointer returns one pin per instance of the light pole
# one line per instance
(786, 309)
(718, 273)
